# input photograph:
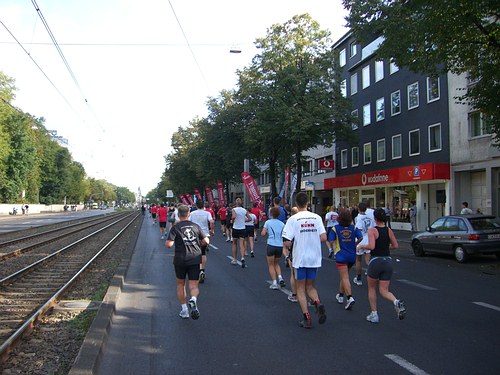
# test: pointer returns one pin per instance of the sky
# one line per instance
(133, 71)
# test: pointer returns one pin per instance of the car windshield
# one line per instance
(486, 223)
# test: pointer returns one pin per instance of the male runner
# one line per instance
(206, 222)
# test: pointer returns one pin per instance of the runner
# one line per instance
(288, 252)
(380, 268)
(307, 231)
(258, 214)
(363, 223)
(206, 223)
(239, 216)
(250, 229)
(154, 210)
(171, 216)
(162, 214)
(187, 238)
(229, 223)
(223, 216)
(274, 229)
(330, 222)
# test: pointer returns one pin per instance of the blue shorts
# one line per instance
(303, 273)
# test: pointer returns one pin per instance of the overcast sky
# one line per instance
(132, 78)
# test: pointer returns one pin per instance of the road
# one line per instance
(246, 328)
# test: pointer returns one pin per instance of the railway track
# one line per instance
(29, 292)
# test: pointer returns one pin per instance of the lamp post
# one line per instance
(246, 168)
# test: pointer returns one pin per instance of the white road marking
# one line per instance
(406, 365)
(483, 304)
(213, 247)
(239, 263)
(417, 284)
(284, 290)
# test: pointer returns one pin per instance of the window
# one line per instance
(396, 147)
(343, 88)
(355, 119)
(342, 59)
(306, 168)
(413, 95)
(395, 103)
(367, 118)
(379, 70)
(415, 142)
(354, 49)
(435, 138)
(354, 83)
(367, 153)
(355, 156)
(433, 90)
(477, 124)
(381, 150)
(343, 159)
(393, 68)
(366, 77)
(380, 109)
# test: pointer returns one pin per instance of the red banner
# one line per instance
(190, 199)
(220, 194)
(253, 189)
(183, 199)
(326, 164)
(198, 194)
(210, 196)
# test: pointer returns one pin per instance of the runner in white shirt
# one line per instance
(363, 222)
(307, 231)
(206, 222)
(330, 222)
(238, 218)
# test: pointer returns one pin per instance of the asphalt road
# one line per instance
(452, 324)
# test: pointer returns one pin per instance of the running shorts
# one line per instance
(303, 273)
(380, 268)
(274, 251)
(239, 233)
(192, 272)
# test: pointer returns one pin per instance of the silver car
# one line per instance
(460, 235)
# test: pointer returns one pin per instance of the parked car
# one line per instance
(460, 235)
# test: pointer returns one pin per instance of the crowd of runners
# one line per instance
(295, 233)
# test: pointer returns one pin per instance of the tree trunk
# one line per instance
(272, 176)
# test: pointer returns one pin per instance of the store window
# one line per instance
(414, 140)
(367, 153)
(379, 70)
(413, 96)
(381, 150)
(433, 89)
(355, 156)
(380, 109)
(397, 147)
(435, 138)
(395, 103)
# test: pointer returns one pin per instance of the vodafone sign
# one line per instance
(326, 164)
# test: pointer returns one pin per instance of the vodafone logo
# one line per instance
(327, 164)
(374, 179)
(363, 179)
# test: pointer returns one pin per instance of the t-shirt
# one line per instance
(162, 214)
(223, 213)
(274, 228)
(186, 236)
(239, 219)
(345, 239)
(363, 222)
(305, 228)
(331, 219)
(154, 209)
(256, 212)
(211, 212)
(281, 217)
(251, 223)
(202, 218)
(466, 211)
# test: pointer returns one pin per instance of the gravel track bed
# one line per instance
(55, 342)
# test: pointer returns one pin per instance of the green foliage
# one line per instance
(428, 36)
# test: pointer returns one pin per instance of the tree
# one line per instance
(428, 36)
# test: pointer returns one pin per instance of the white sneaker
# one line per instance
(357, 281)
(340, 299)
(162, 237)
(274, 286)
(234, 262)
(373, 317)
(184, 314)
(350, 303)
(400, 309)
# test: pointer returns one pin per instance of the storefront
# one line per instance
(427, 185)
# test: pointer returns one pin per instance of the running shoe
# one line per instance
(350, 303)
(330, 253)
(306, 323)
(184, 314)
(292, 298)
(202, 277)
(234, 262)
(274, 286)
(339, 298)
(162, 237)
(400, 309)
(243, 265)
(195, 313)
(357, 281)
(282, 283)
(228, 240)
(320, 309)
(252, 254)
(373, 317)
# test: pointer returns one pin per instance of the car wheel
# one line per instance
(418, 249)
(460, 254)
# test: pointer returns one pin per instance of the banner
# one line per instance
(292, 187)
(189, 198)
(287, 183)
(326, 164)
(183, 199)
(210, 196)
(252, 188)
(198, 194)
(221, 194)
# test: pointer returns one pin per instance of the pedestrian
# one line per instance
(205, 221)
(188, 238)
(363, 222)
(162, 214)
(250, 229)
(239, 217)
(330, 222)
(380, 269)
(465, 209)
(273, 228)
(307, 231)
(413, 216)
(26, 208)
(346, 237)
(388, 214)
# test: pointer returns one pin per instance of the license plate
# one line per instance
(492, 236)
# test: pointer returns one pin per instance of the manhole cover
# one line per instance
(77, 305)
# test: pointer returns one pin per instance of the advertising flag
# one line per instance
(183, 199)
(198, 194)
(221, 194)
(210, 196)
(189, 198)
(252, 188)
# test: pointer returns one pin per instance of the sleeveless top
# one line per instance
(382, 243)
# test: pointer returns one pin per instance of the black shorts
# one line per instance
(163, 224)
(239, 233)
(153, 215)
(229, 225)
(250, 230)
(192, 272)
(223, 222)
(256, 225)
(274, 251)
(380, 268)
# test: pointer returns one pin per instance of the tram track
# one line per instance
(29, 292)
